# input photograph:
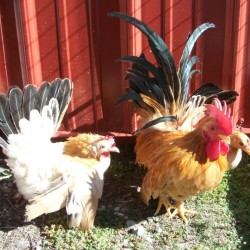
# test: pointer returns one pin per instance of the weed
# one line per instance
(223, 221)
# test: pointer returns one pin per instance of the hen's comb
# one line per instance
(221, 114)
(110, 138)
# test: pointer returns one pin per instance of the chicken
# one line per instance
(238, 142)
(185, 163)
(51, 176)
(183, 139)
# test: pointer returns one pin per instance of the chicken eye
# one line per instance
(241, 143)
(102, 147)
(212, 128)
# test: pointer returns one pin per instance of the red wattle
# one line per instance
(215, 148)
(224, 148)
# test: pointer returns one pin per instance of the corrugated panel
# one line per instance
(241, 69)
(10, 58)
(3, 76)
(62, 39)
(76, 39)
(57, 41)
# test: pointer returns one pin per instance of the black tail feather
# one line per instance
(167, 87)
(229, 96)
(157, 45)
(161, 53)
(206, 89)
(6, 124)
(131, 95)
(15, 101)
(173, 85)
(184, 69)
(29, 99)
(18, 104)
(157, 121)
(185, 78)
(211, 91)
(63, 95)
(43, 95)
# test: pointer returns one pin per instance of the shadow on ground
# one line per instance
(239, 200)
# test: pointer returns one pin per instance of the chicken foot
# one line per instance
(164, 200)
(181, 211)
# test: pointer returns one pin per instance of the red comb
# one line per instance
(222, 115)
(109, 138)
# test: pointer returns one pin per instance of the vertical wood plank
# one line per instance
(3, 75)
(76, 57)
(109, 51)
(241, 74)
(9, 43)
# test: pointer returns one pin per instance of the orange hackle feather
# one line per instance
(81, 145)
(178, 165)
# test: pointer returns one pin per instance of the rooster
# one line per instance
(183, 139)
(51, 176)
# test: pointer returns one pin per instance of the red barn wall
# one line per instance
(76, 39)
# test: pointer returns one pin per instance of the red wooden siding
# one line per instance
(76, 39)
(58, 44)
(241, 69)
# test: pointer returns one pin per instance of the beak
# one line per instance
(114, 149)
(247, 150)
(225, 138)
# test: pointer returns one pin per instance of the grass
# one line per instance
(223, 221)
(4, 173)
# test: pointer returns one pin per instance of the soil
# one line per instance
(222, 224)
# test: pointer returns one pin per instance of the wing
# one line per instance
(32, 157)
(76, 187)
(49, 201)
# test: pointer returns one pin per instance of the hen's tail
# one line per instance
(18, 104)
(161, 93)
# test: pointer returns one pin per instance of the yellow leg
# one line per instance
(163, 200)
(18, 197)
(180, 210)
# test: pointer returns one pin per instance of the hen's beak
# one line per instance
(247, 150)
(114, 149)
(225, 138)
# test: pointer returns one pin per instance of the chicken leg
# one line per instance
(164, 200)
(180, 210)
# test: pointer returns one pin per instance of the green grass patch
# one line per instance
(223, 221)
(4, 173)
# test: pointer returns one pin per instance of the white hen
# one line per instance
(53, 175)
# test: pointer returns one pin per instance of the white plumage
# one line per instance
(239, 142)
(53, 175)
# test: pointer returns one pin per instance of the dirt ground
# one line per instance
(223, 223)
